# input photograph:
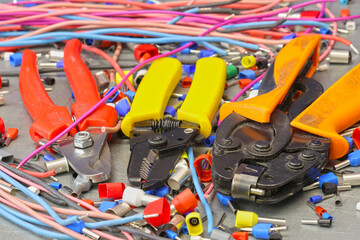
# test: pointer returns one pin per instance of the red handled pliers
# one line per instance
(92, 162)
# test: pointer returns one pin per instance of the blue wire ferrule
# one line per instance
(130, 94)
(354, 158)
(209, 141)
(289, 36)
(224, 199)
(188, 68)
(115, 95)
(169, 110)
(160, 191)
(250, 74)
(350, 141)
(327, 216)
(344, 2)
(30, 5)
(55, 185)
(315, 199)
(182, 98)
(48, 158)
(325, 31)
(76, 226)
(256, 86)
(262, 230)
(106, 205)
(123, 107)
(171, 234)
(328, 178)
(60, 64)
(15, 59)
(206, 53)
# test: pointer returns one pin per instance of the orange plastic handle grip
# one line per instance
(334, 111)
(288, 64)
(85, 90)
(49, 119)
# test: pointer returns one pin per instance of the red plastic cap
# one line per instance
(161, 207)
(204, 174)
(244, 82)
(143, 49)
(185, 201)
(240, 235)
(2, 126)
(186, 82)
(309, 14)
(356, 137)
(111, 190)
(344, 12)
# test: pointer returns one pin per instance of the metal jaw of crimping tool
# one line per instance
(85, 149)
(269, 147)
(156, 143)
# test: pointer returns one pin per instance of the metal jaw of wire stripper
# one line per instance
(86, 151)
(156, 144)
(268, 148)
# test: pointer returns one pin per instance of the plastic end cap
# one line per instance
(209, 141)
(111, 190)
(160, 207)
(15, 59)
(132, 196)
(185, 201)
(123, 107)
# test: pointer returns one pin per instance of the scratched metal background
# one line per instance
(346, 218)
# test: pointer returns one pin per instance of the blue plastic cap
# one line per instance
(30, 5)
(206, 53)
(89, 42)
(60, 64)
(315, 199)
(15, 59)
(354, 158)
(247, 74)
(194, 46)
(350, 141)
(344, 2)
(209, 141)
(48, 158)
(115, 95)
(72, 94)
(182, 98)
(173, 56)
(160, 191)
(123, 107)
(106, 205)
(56, 185)
(130, 94)
(290, 36)
(185, 230)
(171, 234)
(256, 86)
(261, 230)
(76, 226)
(328, 178)
(325, 31)
(169, 110)
(224, 199)
(185, 51)
(327, 216)
(188, 68)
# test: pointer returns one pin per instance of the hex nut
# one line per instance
(83, 140)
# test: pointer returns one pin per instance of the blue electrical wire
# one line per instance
(200, 192)
(61, 36)
(286, 23)
(178, 18)
(38, 199)
(5, 213)
(120, 221)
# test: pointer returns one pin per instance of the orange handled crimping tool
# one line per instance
(87, 151)
(269, 147)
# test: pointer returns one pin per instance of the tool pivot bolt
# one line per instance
(83, 140)
(262, 146)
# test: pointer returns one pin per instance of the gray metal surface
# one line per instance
(346, 218)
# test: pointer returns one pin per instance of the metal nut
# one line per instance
(83, 140)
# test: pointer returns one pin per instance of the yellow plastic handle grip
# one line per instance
(334, 111)
(153, 93)
(205, 93)
(288, 64)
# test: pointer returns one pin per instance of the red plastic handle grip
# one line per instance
(85, 90)
(49, 119)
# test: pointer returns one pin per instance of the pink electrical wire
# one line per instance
(332, 42)
(321, 13)
(271, 4)
(207, 193)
